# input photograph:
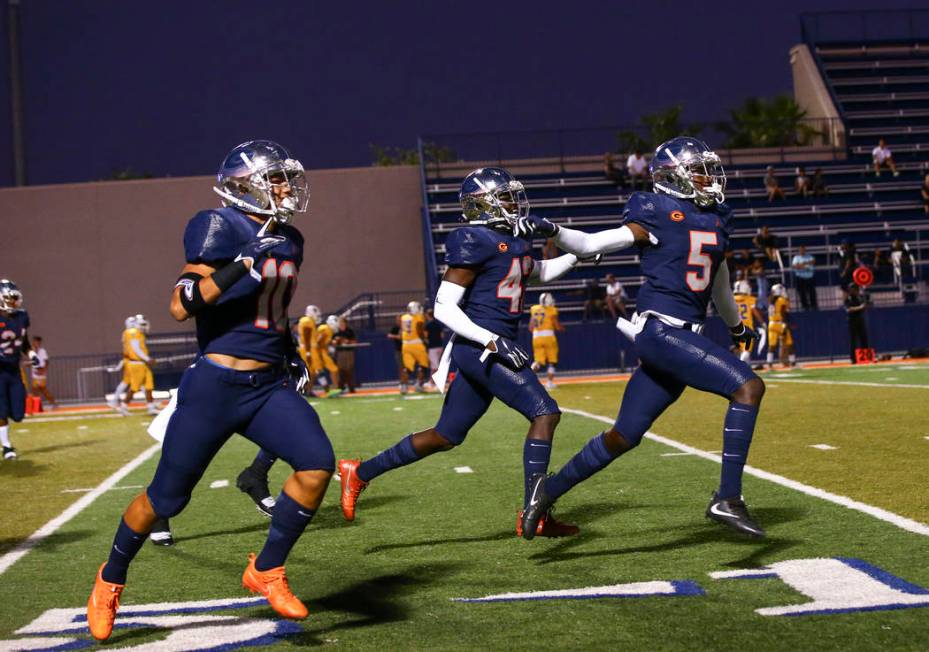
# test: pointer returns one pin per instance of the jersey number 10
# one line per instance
(278, 282)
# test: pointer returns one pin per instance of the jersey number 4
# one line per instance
(278, 282)
(513, 285)
(700, 280)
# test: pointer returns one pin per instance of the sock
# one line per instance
(737, 437)
(590, 459)
(770, 358)
(536, 455)
(287, 524)
(400, 454)
(126, 544)
(262, 463)
(791, 358)
(745, 356)
(5, 437)
(120, 389)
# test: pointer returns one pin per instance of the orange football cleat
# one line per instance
(102, 606)
(548, 526)
(352, 486)
(272, 584)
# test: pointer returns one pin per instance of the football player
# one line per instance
(14, 342)
(543, 322)
(480, 300)
(750, 315)
(306, 338)
(779, 331)
(413, 349)
(323, 359)
(242, 263)
(682, 230)
(137, 371)
(40, 372)
(117, 402)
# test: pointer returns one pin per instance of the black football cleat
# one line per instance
(535, 511)
(256, 487)
(733, 513)
(161, 533)
(9, 453)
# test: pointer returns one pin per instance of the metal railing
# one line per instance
(378, 311)
(857, 26)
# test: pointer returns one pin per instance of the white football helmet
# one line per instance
(141, 323)
(10, 297)
(742, 287)
(546, 299)
(130, 322)
(414, 307)
(313, 311)
(778, 290)
(332, 322)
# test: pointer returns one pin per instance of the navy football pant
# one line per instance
(672, 359)
(213, 403)
(477, 383)
(12, 395)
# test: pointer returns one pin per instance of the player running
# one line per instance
(14, 341)
(481, 301)
(242, 264)
(682, 230)
(137, 370)
(544, 323)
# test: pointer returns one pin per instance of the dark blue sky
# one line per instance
(168, 87)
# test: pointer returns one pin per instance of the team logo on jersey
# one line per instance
(503, 247)
(676, 216)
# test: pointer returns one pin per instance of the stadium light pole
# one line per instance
(16, 94)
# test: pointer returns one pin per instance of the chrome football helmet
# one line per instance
(414, 307)
(778, 290)
(130, 322)
(492, 196)
(249, 175)
(10, 297)
(742, 287)
(314, 313)
(686, 168)
(546, 299)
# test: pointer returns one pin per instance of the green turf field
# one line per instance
(427, 534)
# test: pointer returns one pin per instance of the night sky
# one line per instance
(169, 87)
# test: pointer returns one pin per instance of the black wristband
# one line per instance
(191, 298)
(226, 277)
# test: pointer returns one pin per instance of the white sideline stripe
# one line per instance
(76, 508)
(881, 514)
(849, 382)
(75, 417)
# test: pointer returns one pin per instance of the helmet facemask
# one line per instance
(10, 297)
(690, 174)
(498, 205)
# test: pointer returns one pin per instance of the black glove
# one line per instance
(535, 226)
(34, 359)
(742, 334)
(298, 373)
(512, 354)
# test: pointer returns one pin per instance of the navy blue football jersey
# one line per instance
(13, 326)
(679, 272)
(503, 265)
(250, 318)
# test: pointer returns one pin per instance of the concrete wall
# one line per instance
(88, 255)
(811, 94)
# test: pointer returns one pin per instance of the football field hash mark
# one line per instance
(823, 447)
(219, 484)
(882, 514)
(463, 469)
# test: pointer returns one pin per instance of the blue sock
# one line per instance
(590, 459)
(287, 524)
(737, 437)
(126, 544)
(400, 454)
(263, 462)
(536, 455)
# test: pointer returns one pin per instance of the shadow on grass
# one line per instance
(497, 536)
(50, 543)
(21, 468)
(58, 447)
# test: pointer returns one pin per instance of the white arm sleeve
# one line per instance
(138, 350)
(553, 269)
(723, 299)
(590, 244)
(447, 311)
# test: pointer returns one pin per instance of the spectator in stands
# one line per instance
(883, 270)
(613, 173)
(848, 261)
(925, 192)
(767, 244)
(345, 341)
(435, 342)
(637, 167)
(881, 155)
(855, 306)
(804, 269)
(739, 264)
(771, 185)
(820, 189)
(615, 297)
(397, 339)
(756, 274)
(549, 249)
(902, 261)
(803, 185)
(594, 298)
(40, 373)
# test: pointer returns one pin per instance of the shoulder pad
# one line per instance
(210, 237)
(467, 246)
(642, 208)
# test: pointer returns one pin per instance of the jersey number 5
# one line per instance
(699, 281)
(513, 284)
(278, 282)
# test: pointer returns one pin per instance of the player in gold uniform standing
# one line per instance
(413, 351)
(543, 322)
(750, 315)
(136, 371)
(779, 334)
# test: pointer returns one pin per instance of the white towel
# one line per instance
(159, 425)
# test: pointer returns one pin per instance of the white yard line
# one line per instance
(849, 382)
(76, 417)
(882, 514)
(76, 508)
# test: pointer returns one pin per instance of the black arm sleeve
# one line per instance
(191, 298)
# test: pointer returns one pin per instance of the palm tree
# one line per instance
(778, 122)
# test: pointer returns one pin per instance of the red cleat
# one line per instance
(272, 584)
(352, 486)
(548, 526)
(102, 606)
